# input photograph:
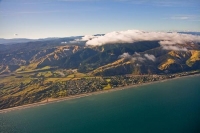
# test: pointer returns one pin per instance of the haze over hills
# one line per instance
(12, 41)
(26, 40)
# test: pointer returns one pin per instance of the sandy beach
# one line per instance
(53, 100)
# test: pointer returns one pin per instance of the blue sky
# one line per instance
(62, 18)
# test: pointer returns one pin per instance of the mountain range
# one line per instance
(140, 57)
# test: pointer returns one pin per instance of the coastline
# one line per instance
(54, 100)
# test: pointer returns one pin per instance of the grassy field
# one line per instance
(33, 86)
(107, 87)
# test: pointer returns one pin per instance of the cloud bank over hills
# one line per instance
(166, 39)
(175, 48)
(138, 57)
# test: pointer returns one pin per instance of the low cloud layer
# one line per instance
(131, 36)
(125, 55)
(138, 57)
(175, 48)
(150, 57)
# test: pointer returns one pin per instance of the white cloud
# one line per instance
(150, 57)
(162, 3)
(125, 55)
(138, 57)
(181, 17)
(166, 42)
(78, 0)
(137, 54)
(175, 48)
(131, 36)
(63, 42)
(185, 17)
(88, 37)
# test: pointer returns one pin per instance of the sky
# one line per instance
(63, 18)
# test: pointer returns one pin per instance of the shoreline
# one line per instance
(54, 100)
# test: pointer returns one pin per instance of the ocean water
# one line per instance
(167, 107)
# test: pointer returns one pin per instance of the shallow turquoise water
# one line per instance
(167, 107)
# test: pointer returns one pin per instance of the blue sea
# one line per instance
(166, 107)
